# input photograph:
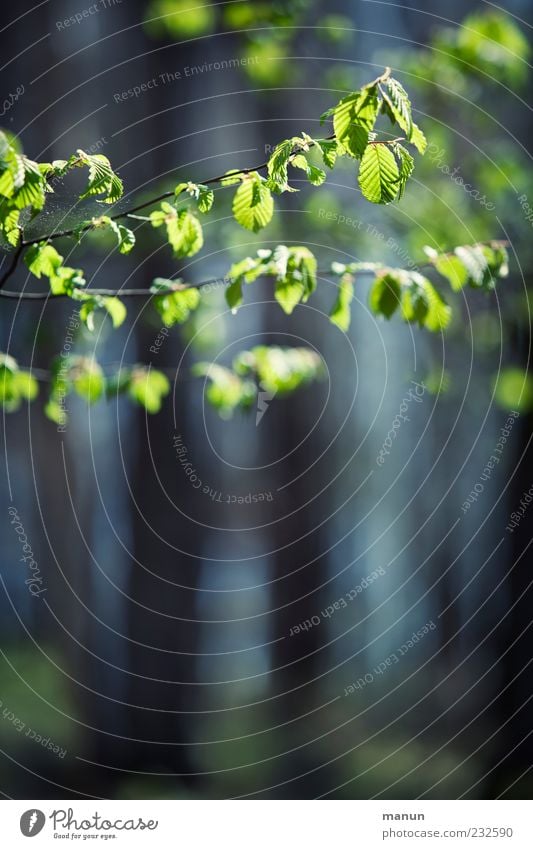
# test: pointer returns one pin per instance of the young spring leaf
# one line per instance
(203, 195)
(379, 177)
(225, 390)
(253, 205)
(16, 385)
(43, 259)
(298, 281)
(125, 237)
(315, 175)
(341, 313)
(88, 380)
(278, 165)
(175, 306)
(385, 294)
(184, 231)
(354, 119)
(279, 370)
(148, 387)
(477, 266)
(330, 150)
(234, 296)
(407, 165)
(399, 104)
(116, 310)
(102, 178)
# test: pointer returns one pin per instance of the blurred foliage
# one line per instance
(513, 389)
(16, 384)
(267, 31)
(268, 369)
(46, 705)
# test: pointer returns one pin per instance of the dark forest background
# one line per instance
(160, 657)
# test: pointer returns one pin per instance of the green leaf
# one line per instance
(234, 295)
(113, 306)
(55, 412)
(341, 312)
(206, 197)
(315, 175)
(418, 139)
(280, 370)
(88, 380)
(415, 305)
(354, 119)
(477, 266)
(298, 280)
(385, 294)
(116, 310)
(125, 236)
(148, 387)
(399, 104)
(253, 205)
(102, 178)
(184, 231)
(26, 385)
(10, 226)
(278, 164)
(43, 259)
(225, 390)
(450, 266)
(330, 149)
(87, 313)
(203, 195)
(67, 281)
(176, 306)
(513, 389)
(422, 303)
(379, 177)
(32, 187)
(439, 313)
(16, 385)
(407, 165)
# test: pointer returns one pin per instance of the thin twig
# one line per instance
(219, 281)
(211, 181)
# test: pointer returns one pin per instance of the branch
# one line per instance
(218, 281)
(63, 233)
